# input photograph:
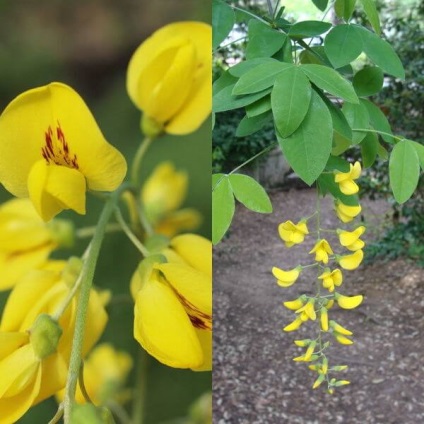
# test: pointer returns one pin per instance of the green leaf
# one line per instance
(308, 148)
(378, 120)
(320, 4)
(223, 19)
(308, 29)
(419, 148)
(358, 118)
(404, 170)
(260, 106)
(260, 77)
(372, 14)
(369, 149)
(344, 8)
(315, 55)
(380, 52)
(249, 125)
(224, 99)
(250, 193)
(343, 45)
(223, 81)
(223, 206)
(337, 164)
(245, 66)
(263, 40)
(368, 81)
(290, 100)
(216, 178)
(382, 152)
(330, 80)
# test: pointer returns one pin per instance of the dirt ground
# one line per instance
(255, 379)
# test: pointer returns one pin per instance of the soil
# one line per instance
(255, 379)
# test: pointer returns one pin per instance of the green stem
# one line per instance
(140, 388)
(250, 14)
(138, 159)
(87, 274)
(378, 132)
(87, 232)
(127, 230)
(266, 150)
(57, 416)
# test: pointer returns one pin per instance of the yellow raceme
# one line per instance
(173, 304)
(26, 240)
(346, 181)
(52, 151)
(169, 78)
(292, 233)
(162, 196)
(286, 278)
(29, 375)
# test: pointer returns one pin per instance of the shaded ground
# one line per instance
(255, 379)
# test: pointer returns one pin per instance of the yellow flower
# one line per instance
(26, 241)
(324, 319)
(322, 249)
(350, 239)
(294, 304)
(342, 339)
(293, 233)
(346, 181)
(294, 325)
(347, 213)
(173, 303)
(169, 78)
(286, 278)
(348, 302)
(105, 374)
(32, 367)
(352, 261)
(308, 311)
(162, 195)
(331, 279)
(340, 329)
(52, 151)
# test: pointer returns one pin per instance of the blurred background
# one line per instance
(87, 44)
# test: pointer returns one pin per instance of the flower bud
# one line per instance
(45, 335)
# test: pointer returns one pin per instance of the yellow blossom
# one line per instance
(169, 78)
(342, 339)
(349, 302)
(346, 181)
(26, 240)
(331, 279)
(318, 381)
(293, 233)
(347, 213)
(324, 319)
(340, 329)
(286, 278)
(105, 374)
(162, 195)
(352, 261)
(173, 303)
(308, 310)
(294, 304)
(350, 239)
(32, 367)
(322, 249)
(52, 151)
(302, 343)
(294, 325)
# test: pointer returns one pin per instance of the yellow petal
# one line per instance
(352, 261)
(176, 222)
(324, 319)
(194, 287)
(195, 250)
(163, 328)
(11, 341)
(342, 339)
(54, 188)
(348, 187)
(349, 237)
(293, 304)
(340, 329)
(205, 338)
(52, 123)
(286, 278)
(294, 325)
(172, 67)
(349, 302)
(21, 228)
(355, 170)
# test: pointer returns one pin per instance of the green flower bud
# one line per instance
(45, 335)
(62, 232)
(87, 413)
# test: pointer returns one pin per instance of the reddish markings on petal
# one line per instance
(56, 149)
(198, 318)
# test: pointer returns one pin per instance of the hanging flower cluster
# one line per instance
(329, 280)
